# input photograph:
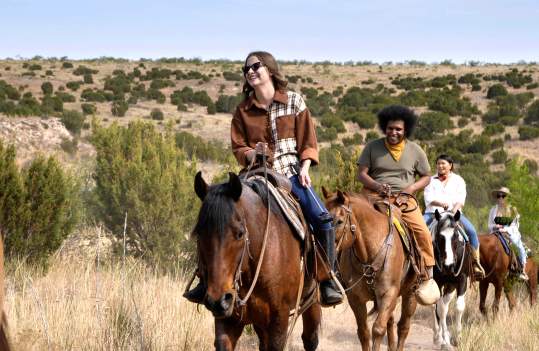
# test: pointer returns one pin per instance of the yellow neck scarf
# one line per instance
(395, 150)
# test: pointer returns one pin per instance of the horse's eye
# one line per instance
(339, 221)
(240, 234)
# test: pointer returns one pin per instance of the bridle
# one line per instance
(439, 251)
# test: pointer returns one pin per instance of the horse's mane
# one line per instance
(218, 207)
(216, 210)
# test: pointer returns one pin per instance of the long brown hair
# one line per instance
(277, 77)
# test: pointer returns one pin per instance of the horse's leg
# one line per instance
(360, 312)
(391, 334)
(498, 287)
(227, 333)
(460, 306)
(409, 304)
(311, 323)
(483, 290)
(436, 330)
(277, 331)
(442, 308)
(386, 306)
(263, 337)
(510, 299)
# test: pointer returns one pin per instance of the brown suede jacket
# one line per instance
(286, 126)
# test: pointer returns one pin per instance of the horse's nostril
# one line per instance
(226, 300)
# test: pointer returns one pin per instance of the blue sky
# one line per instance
(431, 31)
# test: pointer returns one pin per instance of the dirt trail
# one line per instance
(339, 332)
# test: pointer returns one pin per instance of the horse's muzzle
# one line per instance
(222, 307)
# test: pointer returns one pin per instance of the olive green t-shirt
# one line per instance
(399, 174)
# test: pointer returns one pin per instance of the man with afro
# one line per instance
(394, 164)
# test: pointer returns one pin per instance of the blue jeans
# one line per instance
(312, 207)
(466, 224)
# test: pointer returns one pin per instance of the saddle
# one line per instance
(409, 243)
(514, 263)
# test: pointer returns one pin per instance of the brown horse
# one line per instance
(4, 341)
(496, 264)
(230, 237)
(361, 233)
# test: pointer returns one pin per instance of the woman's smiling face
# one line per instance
(257, 73)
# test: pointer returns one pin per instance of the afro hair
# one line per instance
(398, 113)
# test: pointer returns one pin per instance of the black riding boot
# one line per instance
(197, 294)
(330, 295)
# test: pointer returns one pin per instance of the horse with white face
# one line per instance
(453, 266)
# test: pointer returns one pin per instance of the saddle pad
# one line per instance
(287, 204)
(402, 233)
(504, 242)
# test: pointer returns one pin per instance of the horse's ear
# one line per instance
(456, 217)
(437, 215)
(325, 192)
(341, 197)
(201, 188)
(234, 186)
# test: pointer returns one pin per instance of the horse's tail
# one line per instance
(4, 341)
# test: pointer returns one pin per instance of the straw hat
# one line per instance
(500, 190)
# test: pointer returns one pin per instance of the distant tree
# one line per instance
(496, 90)
(157, 114)
(47, 88)
(73, 121)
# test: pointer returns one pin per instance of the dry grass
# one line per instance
(81, 305)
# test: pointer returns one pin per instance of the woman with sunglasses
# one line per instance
(504, 217)
(447, 192)
(274, 121)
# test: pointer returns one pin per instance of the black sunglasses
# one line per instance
(501, 196)
(255, 66)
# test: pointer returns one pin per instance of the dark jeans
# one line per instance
(466, 224)
(312, 207)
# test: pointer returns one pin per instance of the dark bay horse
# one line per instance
(361, 233)
(230, 233)
(453, 266)
(496, 264)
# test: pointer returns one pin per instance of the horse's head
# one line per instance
(338, 205)
(448, 243)
(221, 234)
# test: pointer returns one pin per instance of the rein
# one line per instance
(237, 279)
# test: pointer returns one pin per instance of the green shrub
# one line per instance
(67, 65)
(49, 73)
(228, 104)
(356, 139)
(371, 135)
(91, 95)
(47, 88)
(119, 108)
(493, 129)
(157, 114)
(211, 109)
(88, 79)
(499, 156)
(74, 85)
(39, 206)
(35, 67)
(329, 134)
(65, 97)
(83, 70)
(232, 76)
(51, 104)
(496, 90)
(88, 109)
(142, 173)
(330, 120)
(432, 124)
(73, 121)
(70, 146)
(528, 132)
(532, 86)
(532, 116)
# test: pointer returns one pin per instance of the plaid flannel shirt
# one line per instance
(286, 126)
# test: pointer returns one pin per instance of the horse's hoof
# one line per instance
(447, 347)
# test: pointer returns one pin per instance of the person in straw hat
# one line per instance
(504, 217)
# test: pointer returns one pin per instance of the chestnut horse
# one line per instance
(361, 233)
(230, 234)
(496, 264)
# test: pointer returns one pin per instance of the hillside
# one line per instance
(197, 97)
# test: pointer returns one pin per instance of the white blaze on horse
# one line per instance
(453, 266)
